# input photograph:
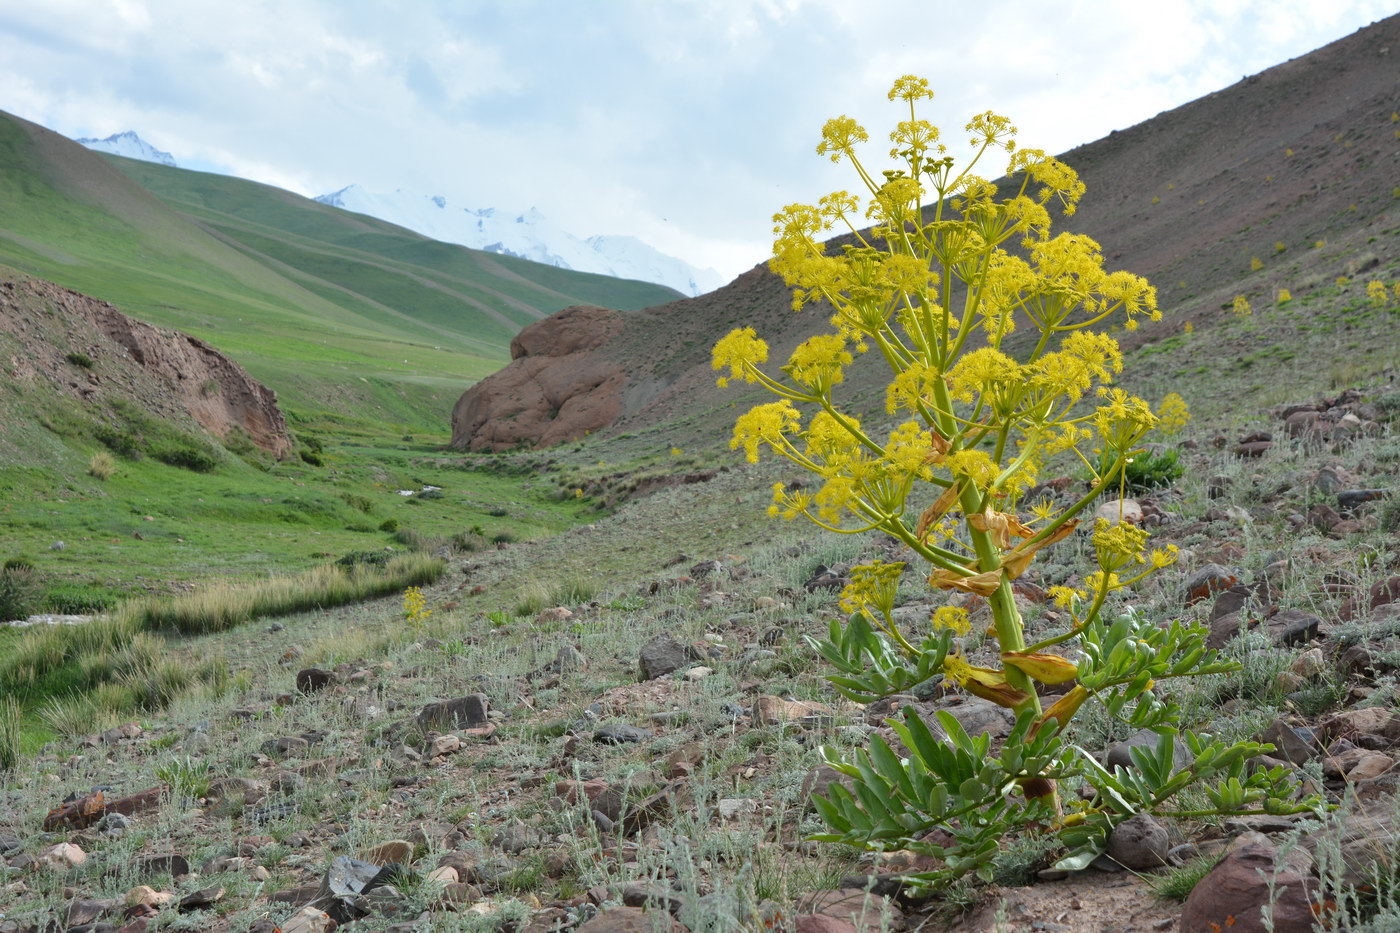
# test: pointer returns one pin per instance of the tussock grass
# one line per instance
(224, 605)
(101, 466)
(10, 715)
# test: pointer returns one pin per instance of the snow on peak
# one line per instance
(527, 234)
(130, 145)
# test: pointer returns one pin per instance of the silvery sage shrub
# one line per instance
(938, 295)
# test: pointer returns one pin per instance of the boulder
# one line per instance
(555, 388)
(1251, 875)
(462, 713)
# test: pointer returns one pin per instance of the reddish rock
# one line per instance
(1253, 450)
(555, 389)
(1230, 897)
(1208, 581)
(862, 912)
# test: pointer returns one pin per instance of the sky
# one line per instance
(686, 123)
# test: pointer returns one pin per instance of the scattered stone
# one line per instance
(1291, 744)
(343, 882)
(1309, 663)
(114, 825)
(1291, 627)
(234, 793)
(864, 912)
(1139, 843)
(825, 578)
(705, 568)
(1231, 601)
(731, 808)
(80, 910)
(462, 713)
(1127, 510)
(620, 733)
(62, 857)
(89, 808)
(1208, 581)
(568, 659)
(1368, 720)
(974, 714)
(515, 837)
(662, 655)
(287, 746)
(146, 896)
(204, 897)
(308, 920)
(392, 852)
(1120, 753)
(1370, 765)
(1349, 499)
(444, 745)
(554, 615)
(166, 863)
(770, 710)
(652, 897)
(1253, 450)
(313, 680)
(698, 673)
(1250, 876)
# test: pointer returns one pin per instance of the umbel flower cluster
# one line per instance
(993, 330)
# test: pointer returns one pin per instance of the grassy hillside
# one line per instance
(335, 311)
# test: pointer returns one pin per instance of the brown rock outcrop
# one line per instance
(46, 327)
(556, 388)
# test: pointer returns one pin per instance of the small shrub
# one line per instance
(78, 599)
(1153, 471)
(188, 458)
(80, 360)
(311, 457)
(498, 512)
(186, 777)
(102, 466)
(390, 525)
(122, 443)
(371, 558)
(430, 494)
(19, 562)
(357, 502)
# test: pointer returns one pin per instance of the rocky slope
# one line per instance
(640, 756)
(1303, 155)
(90, 351)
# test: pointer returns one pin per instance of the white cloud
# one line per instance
(686, 123)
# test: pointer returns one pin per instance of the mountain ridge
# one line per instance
(527, 234)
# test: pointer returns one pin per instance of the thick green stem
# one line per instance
(1006, 617)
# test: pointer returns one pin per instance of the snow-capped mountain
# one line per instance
(529, 235)
(130, 145)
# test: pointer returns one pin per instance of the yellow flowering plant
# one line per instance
(938, 293)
